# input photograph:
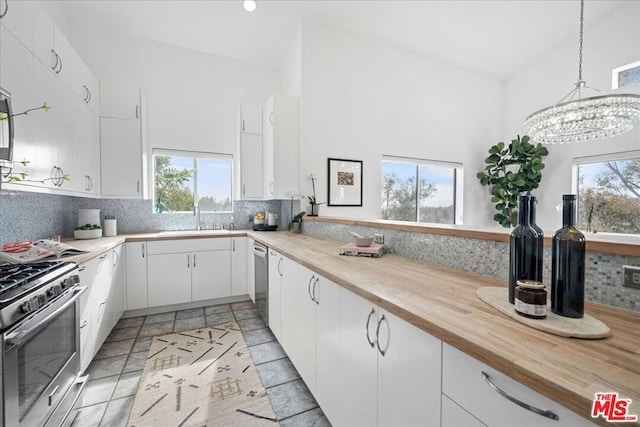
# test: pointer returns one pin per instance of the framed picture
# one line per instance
(345, 182)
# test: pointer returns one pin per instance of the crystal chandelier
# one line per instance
(584, 118)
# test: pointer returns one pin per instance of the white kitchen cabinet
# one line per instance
(118, 101)
(298, 317)
(211, 275)
(182, 271)
(83, 83)
(96, 275)
(464, 382)
(239, 256)
(16, 76)
(136, 266)
(251, 271)
(268, 150)
(86, 161)
(328, 391)
(250, 118)
(453, 415)
(409, 373)
(357, 368)
(115, 302)
(121, 172)
(276, 275)
(169, 279)
(390, 368)
(20, 21)
(251, 166)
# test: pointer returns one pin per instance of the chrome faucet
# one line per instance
(196, 213)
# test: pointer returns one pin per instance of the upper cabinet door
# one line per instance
(119, 101)
(43, 44)
(84, 85)
(251, 118)
(19, 21)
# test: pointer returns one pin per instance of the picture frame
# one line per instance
(344, 182)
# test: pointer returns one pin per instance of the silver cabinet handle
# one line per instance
(279, 262)
(137, 112)
(244, 189)
(242, 125)
(271, 188)
(233, 245)
(84, 323)
(137, 186)
(271, 117)
(545, 413)
(6, 9)
(143, 250)
(371, 343)
(83, 268)
(386, 347)
(54, 60)
(103, 256)
(117, 258)
(309, 288)
(188, 261)
(315, 298)
(194, 260)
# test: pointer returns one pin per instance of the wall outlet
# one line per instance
(631, 276)
(378, 238)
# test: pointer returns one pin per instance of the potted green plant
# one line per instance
(512, 170)
(296, 220)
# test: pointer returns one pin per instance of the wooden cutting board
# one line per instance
(587, 327)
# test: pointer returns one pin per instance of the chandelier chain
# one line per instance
(580, 82)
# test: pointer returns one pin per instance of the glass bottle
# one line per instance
(568, 264)
(539, 240)
(522, 248)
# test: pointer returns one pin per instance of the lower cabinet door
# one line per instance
(169, 279)
(409, 374)
(453, 415)
(357, 370)
(329, 390)
(210, 275)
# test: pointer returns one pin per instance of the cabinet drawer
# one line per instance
(188, 245)
(463, 382)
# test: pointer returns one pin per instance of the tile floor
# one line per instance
(117, 368)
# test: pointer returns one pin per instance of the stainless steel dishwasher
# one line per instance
(260, 254)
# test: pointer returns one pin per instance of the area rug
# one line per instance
(203, 377)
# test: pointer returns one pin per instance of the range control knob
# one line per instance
(26, 307)
(42, 299)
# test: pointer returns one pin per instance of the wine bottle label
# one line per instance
(530, 309)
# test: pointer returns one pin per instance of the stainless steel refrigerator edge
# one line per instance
(260, 254)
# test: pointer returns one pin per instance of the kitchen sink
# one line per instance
(191, 232)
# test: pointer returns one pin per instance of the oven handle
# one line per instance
(15, 338)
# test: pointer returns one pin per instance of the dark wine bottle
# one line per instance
(568, 264)
(522, 249)
(539, 240)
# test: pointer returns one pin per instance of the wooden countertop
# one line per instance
(443, 302)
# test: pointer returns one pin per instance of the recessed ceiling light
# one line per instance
(249, 5)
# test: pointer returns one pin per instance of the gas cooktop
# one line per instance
(16, 279)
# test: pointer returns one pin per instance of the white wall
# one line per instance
(610, 43)
(362, 99)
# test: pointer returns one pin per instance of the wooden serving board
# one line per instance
(587, 327)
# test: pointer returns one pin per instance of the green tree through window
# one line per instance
(609, 196)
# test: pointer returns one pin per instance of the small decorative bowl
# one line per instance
(363, 242)
(87, 234)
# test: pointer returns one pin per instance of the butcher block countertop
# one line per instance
(443, 302)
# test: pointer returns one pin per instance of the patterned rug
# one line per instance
(204, 377)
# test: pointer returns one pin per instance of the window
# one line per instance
(626, 75)
(421, 190)
(183, 179)
(609, 193)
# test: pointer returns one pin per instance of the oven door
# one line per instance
(41, 361)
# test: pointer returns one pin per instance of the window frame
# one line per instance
(615, 74)
(458, 183)
(194, 155)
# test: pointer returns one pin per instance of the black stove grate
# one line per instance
(15, 275)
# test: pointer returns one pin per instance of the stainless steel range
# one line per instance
(40, 342)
